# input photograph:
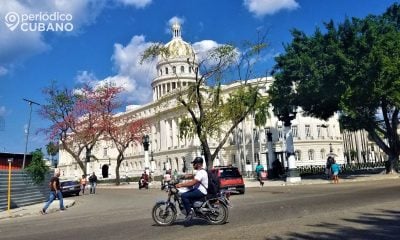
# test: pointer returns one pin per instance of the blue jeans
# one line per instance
(189, 197)
(51, 199)
(93, 187)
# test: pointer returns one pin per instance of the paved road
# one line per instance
(345, 211)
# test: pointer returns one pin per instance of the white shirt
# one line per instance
(202, 177)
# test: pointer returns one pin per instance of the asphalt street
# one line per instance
(358, 210)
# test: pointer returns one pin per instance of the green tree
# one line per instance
(212, 115)
(37, 169)
(352, 68)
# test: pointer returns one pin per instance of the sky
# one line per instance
(92, 41)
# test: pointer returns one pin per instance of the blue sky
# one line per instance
(108, 37)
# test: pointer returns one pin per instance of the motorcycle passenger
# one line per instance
(198, 184)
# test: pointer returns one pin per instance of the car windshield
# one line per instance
(230, 172)
(66, 183)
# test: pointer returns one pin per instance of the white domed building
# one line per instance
(313, 138)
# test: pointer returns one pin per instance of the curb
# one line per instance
(34, 209)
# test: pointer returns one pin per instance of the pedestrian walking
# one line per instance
(93, 183)
(259, 171)
(328, 171)
(83, 184)
(335, 171)
(55, 192)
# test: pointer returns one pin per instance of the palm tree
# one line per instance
(52, 150)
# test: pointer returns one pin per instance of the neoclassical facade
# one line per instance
(313, 138)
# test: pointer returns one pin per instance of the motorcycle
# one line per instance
(213, 209)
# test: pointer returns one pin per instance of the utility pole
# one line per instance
(27, 131)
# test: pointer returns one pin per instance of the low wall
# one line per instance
(23, 190)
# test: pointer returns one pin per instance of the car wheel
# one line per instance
(77, 194)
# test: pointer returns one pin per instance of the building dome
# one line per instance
(177, 69)
(178, 48)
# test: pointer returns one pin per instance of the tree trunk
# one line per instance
(117, 178)
(392, 163)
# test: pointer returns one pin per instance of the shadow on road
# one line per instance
(385, 225)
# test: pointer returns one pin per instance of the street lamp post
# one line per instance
(146, 143)
(152, 162)
(10, 160)
(286, 117)
(27, 130)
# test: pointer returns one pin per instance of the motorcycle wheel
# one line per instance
(218, 214)
(163, 214)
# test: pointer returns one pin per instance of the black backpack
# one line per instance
(213, 183)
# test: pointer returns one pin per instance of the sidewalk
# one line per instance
(249, 182)
(252, 182)
(35, 209)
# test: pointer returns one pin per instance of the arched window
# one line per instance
(160, 72)
(190, 69)
(297, 154)
(182, 69)
(173, 69)
(310, 154)
(166, 70)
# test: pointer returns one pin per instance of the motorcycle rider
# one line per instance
(198, 183)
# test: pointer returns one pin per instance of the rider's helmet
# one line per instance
(197, 160)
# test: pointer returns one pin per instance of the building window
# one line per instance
(310, 154)
(240, 136)
(173, 85)
(173, 69)
(322, 153)
(105, 154)
(319, 133)
(182, 69)
(170, 134)
(190, 69)
(166, 70)
(308, 131)
(160, 72)
(256, 157)
(294, 131)
(297, 155)
(255, 135)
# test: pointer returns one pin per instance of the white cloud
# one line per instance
(18, 45)
(2, 110)
(134, 77)
(85, 77)
(136, 3)
(203, 47)
(269, 7)
(3, 70)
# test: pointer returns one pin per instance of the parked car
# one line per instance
(70, 187)
(230, 178)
